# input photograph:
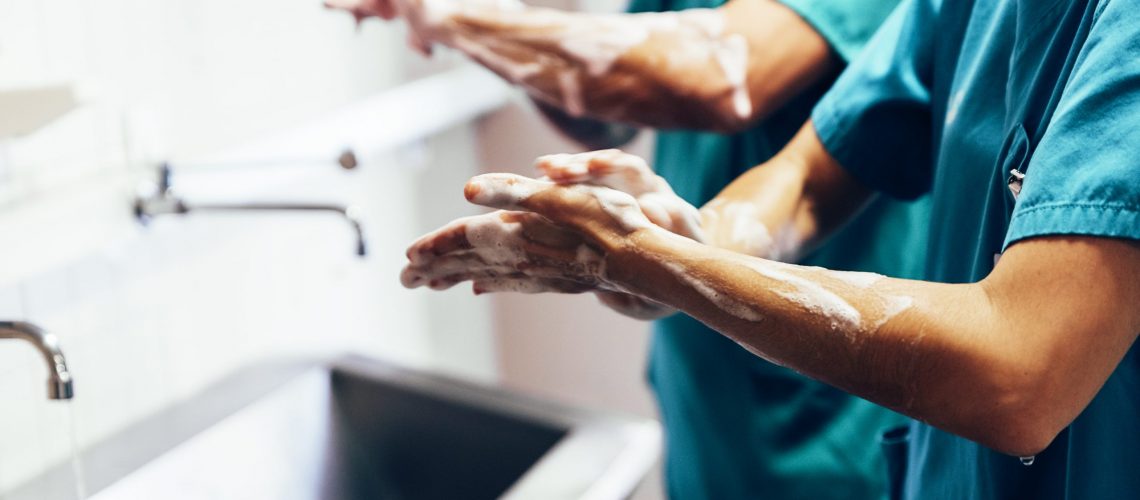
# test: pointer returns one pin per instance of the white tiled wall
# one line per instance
(149, 315)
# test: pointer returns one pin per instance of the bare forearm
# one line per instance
(973, 359)
(782, 209)
(838, 327)
(704, 69)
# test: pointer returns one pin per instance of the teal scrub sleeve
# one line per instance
(1084, 177)
(876, 120)
(636, 6)
(847, 25)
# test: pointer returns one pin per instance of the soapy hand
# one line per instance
(629, 174)
(632, 175)
(586, 200)
(422, 23)
(547, 238)
(521, 248)
(364, 9)
(503, 251)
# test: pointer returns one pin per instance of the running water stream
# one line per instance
(76, 457)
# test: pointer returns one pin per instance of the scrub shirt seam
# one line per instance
(1027, 224)
(1105, 207)
(829, 128)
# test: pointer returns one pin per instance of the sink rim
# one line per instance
(635, 443)
(620, 448)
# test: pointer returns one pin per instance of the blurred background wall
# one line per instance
(149, 315)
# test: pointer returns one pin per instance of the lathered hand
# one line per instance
(629, 174)
(503, 251)
(632, 175)
(425, 18)
(549, 238)
(660, 68)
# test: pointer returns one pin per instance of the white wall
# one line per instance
(150, 315)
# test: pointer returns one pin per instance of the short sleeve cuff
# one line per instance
(1108, 220)
(847, 25)
(839, 139)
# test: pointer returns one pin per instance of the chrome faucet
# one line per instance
(59, 377)
(160, 199)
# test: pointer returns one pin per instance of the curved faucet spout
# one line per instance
(160, 199)
(348, 213)
(60, 385)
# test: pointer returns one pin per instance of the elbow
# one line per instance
(731, 124)
(715, 108)
(1024, 414)
(1019, 436)
(729, 116)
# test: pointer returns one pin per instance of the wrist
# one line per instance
(630, 256)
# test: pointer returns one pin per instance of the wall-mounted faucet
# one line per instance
(160, 199)
(60, 385)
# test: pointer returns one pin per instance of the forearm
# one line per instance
(782, 209)
(709, 69)
(878, 338)
(995, 362)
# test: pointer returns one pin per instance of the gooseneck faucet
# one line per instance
(161, 199)
(60, 385)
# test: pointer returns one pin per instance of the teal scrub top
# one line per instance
(947, 99)
(738, 427)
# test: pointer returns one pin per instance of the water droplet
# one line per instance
(1027, 461)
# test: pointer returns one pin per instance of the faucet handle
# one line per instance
(164, 177)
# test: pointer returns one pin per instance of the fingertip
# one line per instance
(506, 191)
(416, 253)
(473, 188)
(545, 166)
(563, 167)
(599, 166)
(410, 279)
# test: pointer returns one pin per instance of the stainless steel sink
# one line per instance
(357, 429)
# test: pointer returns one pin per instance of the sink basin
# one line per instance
(355, 429)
